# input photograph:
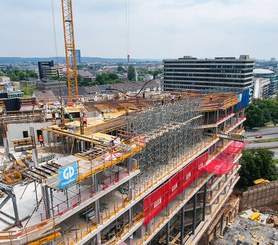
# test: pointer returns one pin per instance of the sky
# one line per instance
(159, 29)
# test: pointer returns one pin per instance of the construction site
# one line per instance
(143, 168)
(155, 170)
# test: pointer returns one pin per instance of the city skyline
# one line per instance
(159, 28)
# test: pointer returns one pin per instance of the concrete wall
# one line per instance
(15, 131)
(259, 195)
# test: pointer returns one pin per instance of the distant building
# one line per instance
(48, 70)
(78, 56)
(8, 89)
(4, 80)
(51, 84)
(272, 76)
(261, 88)
(221, 73)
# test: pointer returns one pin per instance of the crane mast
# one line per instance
(70, 49)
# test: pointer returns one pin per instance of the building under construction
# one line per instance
(154, 170)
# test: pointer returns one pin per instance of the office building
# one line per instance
(261, 88)
(48, 70)
(219, 74)
(78, 56)
(272, 76)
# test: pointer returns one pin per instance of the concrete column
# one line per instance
(129, 164)
(46, 202)
(98, 238)
(205, 201)
(131, 240)
(194, 213)
(182, 226)
(130, 191)
(167, 233)
(221, 225)
(97, 210)
(130, 215)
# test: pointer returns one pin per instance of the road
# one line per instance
(267, 133)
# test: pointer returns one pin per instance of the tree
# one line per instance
(256, 164)
(107, 78)
(120, 69)
(28, 90)
(255, 117)
(269, 108)
(131, 73)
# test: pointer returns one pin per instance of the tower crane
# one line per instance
(70, 49)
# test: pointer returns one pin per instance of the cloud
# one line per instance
(159, 28)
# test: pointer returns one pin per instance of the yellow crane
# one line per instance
(70, 49)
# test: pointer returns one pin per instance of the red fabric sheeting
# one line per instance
(224, 162)
(160, 198)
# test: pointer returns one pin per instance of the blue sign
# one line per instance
(67, 175)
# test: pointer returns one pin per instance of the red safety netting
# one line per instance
(224, 162)
(160, 198)
(155, 203)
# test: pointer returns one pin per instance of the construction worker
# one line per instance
(85, 119)
(41, 140)
(71, 118)
(162, 100)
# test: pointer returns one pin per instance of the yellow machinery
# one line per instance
(255, 216)
(260, 181)
(70, 49)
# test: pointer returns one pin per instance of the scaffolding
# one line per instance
(172, 131)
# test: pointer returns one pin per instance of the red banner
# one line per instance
(188, 176)
(174, 186)
(200, 165)
(155, 203)
(160, 198)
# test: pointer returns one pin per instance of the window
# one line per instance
(25, 134)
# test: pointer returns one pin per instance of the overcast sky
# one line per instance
(159, 28)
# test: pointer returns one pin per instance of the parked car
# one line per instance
(258, 136)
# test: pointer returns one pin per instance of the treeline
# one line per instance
(261, 112)
(19, 75)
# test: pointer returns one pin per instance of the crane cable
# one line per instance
(54, 30)
(127, 19)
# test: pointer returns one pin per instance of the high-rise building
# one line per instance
(221, 73)
(78, 56)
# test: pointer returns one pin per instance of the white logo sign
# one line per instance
(68, 172)
(174, 187)
(157, 203)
